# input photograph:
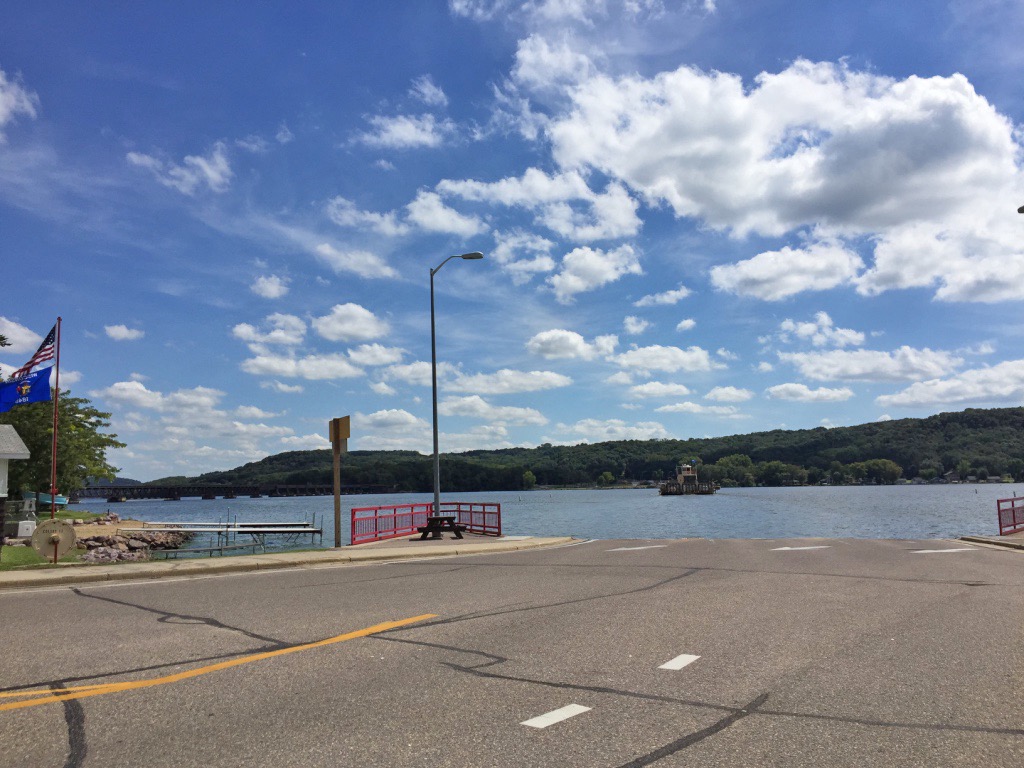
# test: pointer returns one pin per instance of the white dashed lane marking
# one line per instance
(937, 551)
(795, 549)
(555, 716)
(679, 661)
(634, 549)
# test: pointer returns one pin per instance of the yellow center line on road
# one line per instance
(50, 696)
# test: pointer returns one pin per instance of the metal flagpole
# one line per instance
(53, 453)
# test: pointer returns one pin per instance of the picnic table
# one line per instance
(438, 524)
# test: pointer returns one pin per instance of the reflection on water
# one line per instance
(877, 512)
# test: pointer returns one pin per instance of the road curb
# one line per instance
(91, 574)
(994, 541)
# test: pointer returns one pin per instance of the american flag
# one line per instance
(43, 355)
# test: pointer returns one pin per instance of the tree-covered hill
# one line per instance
(982, 442)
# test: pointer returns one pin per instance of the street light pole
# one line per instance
(433, 374)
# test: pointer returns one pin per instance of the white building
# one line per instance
(11, 447)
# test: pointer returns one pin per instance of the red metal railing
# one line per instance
(1011, 515)
(379, 523)
(483, 519)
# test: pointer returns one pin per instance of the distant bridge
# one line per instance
(114, 493)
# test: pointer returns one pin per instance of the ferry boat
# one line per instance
(686, 483)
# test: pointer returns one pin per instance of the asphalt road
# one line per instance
(604, 653)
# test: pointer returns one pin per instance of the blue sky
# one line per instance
(699, 218)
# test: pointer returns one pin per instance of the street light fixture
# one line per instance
(433, 374)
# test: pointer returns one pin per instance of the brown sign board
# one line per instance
(340, 429)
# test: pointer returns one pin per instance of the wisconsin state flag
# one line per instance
(34, 388)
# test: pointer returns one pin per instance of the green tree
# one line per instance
(882, 471)
(835, 473)
(775, 473)
(81, 445)
(606, 478)
(529, 480)
(737, 469)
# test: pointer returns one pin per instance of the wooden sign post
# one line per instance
(339, 433)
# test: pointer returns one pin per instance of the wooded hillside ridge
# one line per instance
(980, 443)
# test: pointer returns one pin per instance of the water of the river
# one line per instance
(876, 512)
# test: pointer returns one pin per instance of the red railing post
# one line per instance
(1011, 515)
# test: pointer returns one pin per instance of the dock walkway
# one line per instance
(227, 532)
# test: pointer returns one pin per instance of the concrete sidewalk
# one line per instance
(393, 549)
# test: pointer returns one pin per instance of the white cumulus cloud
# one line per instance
(666, 298)
(668, 359)
(123, 332)
(522, 254)
(563, 203)
(915, 172)
(476, 407)
(1001, 384)
(287, 330)
(375, 354)
(585, 269)
(820, 332)
(726, 411)
(312, 442)
(903, 364)
(659, 389)
(559, 343)
(429, 213)
(776, 275)
(19, 338)
(507, 382)
(542, 64)
(801, 393)
(729, 394)
(406, 132)
(285, 389)
(270, 286)
(350, 322)
(417, 373)
(313, 367)
(634, 326)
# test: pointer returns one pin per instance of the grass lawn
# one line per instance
(69, 514)
(22, 557)
(26, 557)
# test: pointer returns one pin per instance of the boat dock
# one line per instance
(227, 533)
